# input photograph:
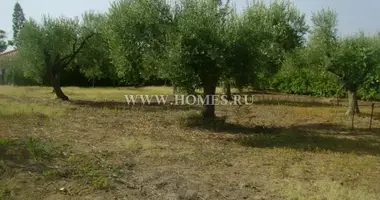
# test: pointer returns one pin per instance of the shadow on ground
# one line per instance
(308, 137)
(151, 107)
(295, 103)
(219, 124)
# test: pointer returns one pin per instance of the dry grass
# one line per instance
(269, 150)
(75, 93)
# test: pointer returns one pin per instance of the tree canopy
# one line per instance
(50, 47)
(18, 22)
(3, 42)
(203, 44)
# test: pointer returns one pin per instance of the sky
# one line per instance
(353, 15)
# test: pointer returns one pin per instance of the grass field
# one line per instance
(97, 147)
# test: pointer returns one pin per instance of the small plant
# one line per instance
(50, 173)
(40, 150)
(5, 194)
(4, 142)
(101, 183)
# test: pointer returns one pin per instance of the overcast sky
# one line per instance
(353, 16)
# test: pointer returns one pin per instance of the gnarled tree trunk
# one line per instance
(227, 90)
(209, 106)
(353, 107)
(55, 82)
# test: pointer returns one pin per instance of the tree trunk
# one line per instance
(58, 78)
(209, 106)
(227, 90)
(13, 77)
(55, 82)
(175, 89)
(93, 82)
(353, 107)
(2, 77)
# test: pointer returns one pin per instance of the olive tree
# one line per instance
(50, 47)
(275, 30)
(3, 42)
(354, 58)
(323, 37)
(198, 46)
(137, 37)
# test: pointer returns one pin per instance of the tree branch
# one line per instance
(227, 3)
(68, 59)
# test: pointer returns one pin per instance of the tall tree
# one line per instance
(18, 22)
(3, 43)
(137, 35)
(323, 37)
(198, 46)
(304, 70)
(277, 29)
(50, 47)
(259, 40)
(354, 58)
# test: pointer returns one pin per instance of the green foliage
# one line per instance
(298, 75)
(3, 43)
(31, 50)
(324, 32)
(5, 142)
(50, 47)
(94, 61)
(370, 89)
(304, 71)
(203, 43)
(41, 45)
(40, 150)
(14, 71)
(18, 22)
(137, 34)
(198, 46)
(101, 183)
(264, 36)
(354, 58)
(329, 65)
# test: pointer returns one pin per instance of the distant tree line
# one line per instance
(201, 44)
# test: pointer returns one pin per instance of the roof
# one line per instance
(9, 53)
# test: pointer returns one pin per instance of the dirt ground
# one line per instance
(276, 149)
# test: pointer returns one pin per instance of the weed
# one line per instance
(4, 142)
(40, 150)
(5, 194)
(101, 183)
(50, 173)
